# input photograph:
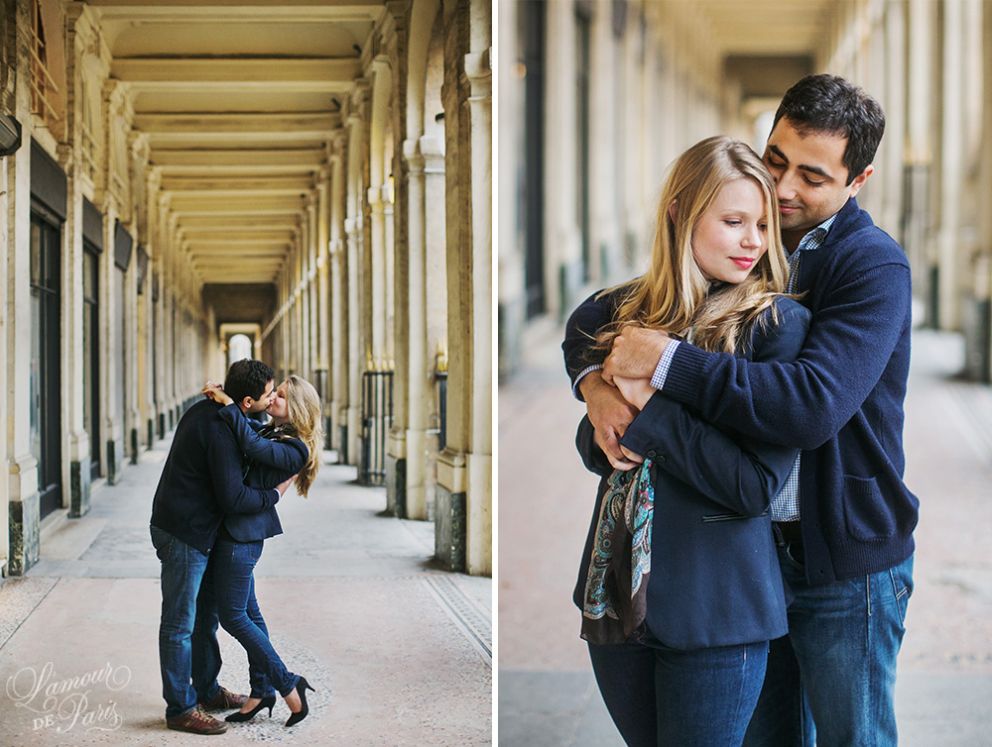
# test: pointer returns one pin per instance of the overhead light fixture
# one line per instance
(10, 135)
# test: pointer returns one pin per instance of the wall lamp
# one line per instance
(10, 135)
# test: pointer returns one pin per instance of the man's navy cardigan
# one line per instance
(203, 479)
(841, 401)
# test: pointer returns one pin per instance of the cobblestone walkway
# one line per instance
(398, 651)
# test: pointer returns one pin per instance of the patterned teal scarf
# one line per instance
(614, 605)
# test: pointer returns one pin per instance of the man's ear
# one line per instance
(860, 179)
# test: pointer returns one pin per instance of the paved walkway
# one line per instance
(547, 695)
(398, 651)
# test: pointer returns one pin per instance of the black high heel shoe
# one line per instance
(301, 687)
(267, 702)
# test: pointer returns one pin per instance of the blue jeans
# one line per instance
(187, 635)
(831, 681)
(662, 696)
(232, 565)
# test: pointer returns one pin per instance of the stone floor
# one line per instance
(398, 651)
(547, 695)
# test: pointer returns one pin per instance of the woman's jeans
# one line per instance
(187, 635)
(232, 565)
(662, 696)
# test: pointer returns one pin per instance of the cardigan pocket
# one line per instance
(865, 512)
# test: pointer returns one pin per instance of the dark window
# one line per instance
(45, 382)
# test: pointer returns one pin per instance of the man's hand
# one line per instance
(636, 391)
(635, 354)
(610, 414)
(281, 487)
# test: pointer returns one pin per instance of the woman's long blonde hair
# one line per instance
(303, 413)
(674, 295)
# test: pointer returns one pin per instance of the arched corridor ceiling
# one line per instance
(767, 27)
(238, 101)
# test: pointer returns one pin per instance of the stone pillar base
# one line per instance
(396, 486)
(570, 283)
(449, 529)
(134, 446)
(977, 328)
(151, 432)
(79, 487)
(115, 459)
(510, 321)
(161, 425)
(25, 535)
(343, 444)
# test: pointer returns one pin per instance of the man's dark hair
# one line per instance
(830, 104)
(246, 378)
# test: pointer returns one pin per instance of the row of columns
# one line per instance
(400, 237)
(925, 61)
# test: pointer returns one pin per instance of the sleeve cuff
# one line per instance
(685, 372)
(664, 363)
(581, 375)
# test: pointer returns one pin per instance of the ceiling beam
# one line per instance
(273, 73)
(238, 123)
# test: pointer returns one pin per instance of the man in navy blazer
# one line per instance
(845, 524)
(202, 481)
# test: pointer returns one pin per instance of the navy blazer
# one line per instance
(715, 577)
(202, 480)
(272, 462)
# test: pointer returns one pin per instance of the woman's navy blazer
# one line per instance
(715, 577)
(271, 461)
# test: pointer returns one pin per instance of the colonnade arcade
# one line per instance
(309, 179)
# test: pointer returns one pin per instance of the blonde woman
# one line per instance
(289, 445)
(680, 585)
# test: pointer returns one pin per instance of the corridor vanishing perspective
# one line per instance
(308, 183)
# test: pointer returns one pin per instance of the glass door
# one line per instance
(46, 430)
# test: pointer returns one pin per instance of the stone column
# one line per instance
(76, 457)
(5, 242)
(562, 239)
(951, 176)
(323, 310)
(463, 528)
(410, 477)
(605, 239)
(510, 255)
(916, 211)
(110, 378)
(432, 150)
(339, 301)
(985, 188)
(893, 144)
(22, 467)
(355, 229)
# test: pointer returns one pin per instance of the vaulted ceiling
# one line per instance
(238, 100)
(767, 28)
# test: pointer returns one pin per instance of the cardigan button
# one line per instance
(652, 454)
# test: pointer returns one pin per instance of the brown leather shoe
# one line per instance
(196, 721)
(225, 699)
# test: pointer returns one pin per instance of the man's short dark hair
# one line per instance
(247, 378)
(830, 104)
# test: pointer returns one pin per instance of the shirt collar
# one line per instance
(815, 237)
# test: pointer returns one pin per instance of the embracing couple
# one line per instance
(213, 510)
(747, 571)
